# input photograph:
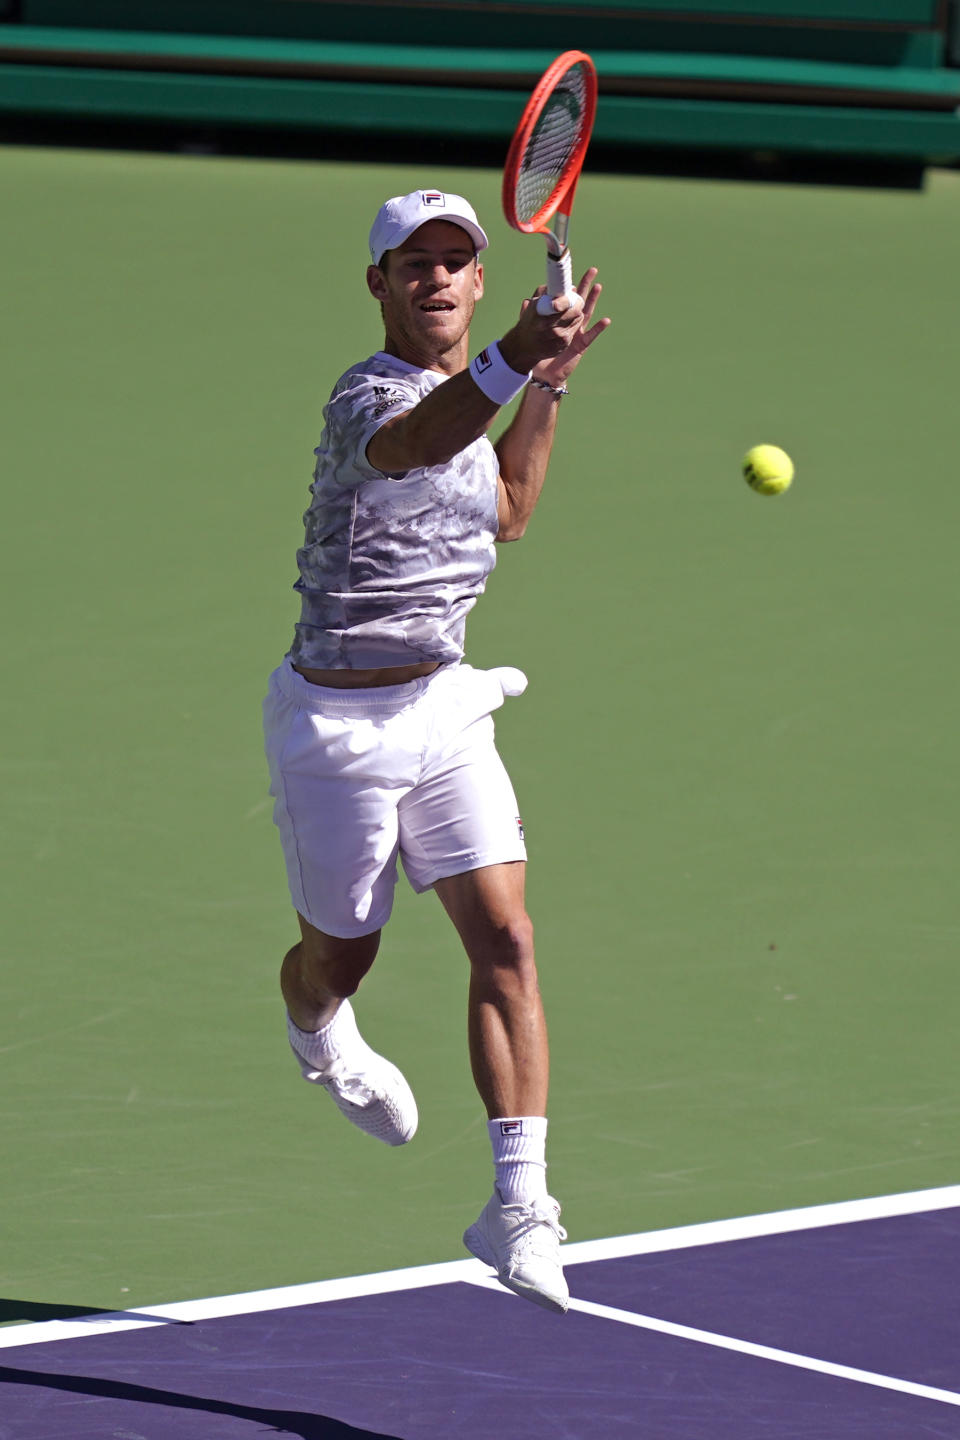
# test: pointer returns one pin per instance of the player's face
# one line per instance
(429, 288)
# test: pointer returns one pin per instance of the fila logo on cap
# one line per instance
(400, 216)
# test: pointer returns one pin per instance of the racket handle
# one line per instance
(559, 281)
(559, 274)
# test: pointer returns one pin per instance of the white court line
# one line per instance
(751, 1227)
(823, 1367)
(766, 1352)
(472, 1271)
(743, 1347)
(314, 1292)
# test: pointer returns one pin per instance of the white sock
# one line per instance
(519, 1157)
(317, 1050)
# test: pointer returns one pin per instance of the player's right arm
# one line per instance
(457, 413)
(442, 424)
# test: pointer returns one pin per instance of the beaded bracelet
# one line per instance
(554, 390)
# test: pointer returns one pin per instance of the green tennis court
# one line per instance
(736, 757)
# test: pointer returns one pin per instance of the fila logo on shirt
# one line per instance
(433, 197)
(511, 1127)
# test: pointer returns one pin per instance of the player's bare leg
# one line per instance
(506, 1026)
(518, 1232)
(321, 971)
(317, 977)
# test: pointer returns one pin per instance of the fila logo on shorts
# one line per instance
(511, 1127)
(433, 197)
(520, 828)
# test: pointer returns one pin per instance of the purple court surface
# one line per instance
(840, 1322)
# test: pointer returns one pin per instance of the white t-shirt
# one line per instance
(390, 566)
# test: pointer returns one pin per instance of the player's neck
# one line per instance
(447, 361)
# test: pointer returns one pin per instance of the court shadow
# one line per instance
(36, 1312)
(282, 1422)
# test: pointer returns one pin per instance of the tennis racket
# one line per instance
(544, 162)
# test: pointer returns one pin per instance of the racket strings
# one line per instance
(552, 144)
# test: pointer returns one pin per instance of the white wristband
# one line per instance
(494, 376)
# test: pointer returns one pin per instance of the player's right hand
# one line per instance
(558, 304)
(540, 336)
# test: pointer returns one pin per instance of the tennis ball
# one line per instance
(768, 469)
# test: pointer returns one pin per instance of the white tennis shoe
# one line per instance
(371, 1092)
(522, 1243)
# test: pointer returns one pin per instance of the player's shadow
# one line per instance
(282, 1422)
(37, 1312)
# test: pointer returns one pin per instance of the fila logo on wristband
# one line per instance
(511, 1127)
(494, 377)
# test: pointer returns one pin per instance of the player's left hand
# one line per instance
(560, 367)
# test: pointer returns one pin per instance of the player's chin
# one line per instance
(443, 327)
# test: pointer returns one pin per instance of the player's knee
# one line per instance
(341, 978)
(340, 969)
(332, 968)
(521, 941)
(507, 952)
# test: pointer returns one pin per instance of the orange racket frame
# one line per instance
(553, 217)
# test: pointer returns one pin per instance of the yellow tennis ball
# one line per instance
(768, 469)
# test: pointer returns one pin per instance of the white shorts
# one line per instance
(360, 777)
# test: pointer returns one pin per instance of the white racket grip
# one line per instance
(559, 281)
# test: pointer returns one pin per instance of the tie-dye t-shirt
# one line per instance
(390, 566)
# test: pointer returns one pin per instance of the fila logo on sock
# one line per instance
(433, 197)
(511, 1127)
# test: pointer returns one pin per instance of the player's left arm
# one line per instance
(524, 448)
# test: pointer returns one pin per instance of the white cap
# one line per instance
(398, 218)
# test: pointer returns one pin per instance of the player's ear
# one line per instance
(376, 283)
(478, 281)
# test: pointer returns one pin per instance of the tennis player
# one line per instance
(380, 740)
